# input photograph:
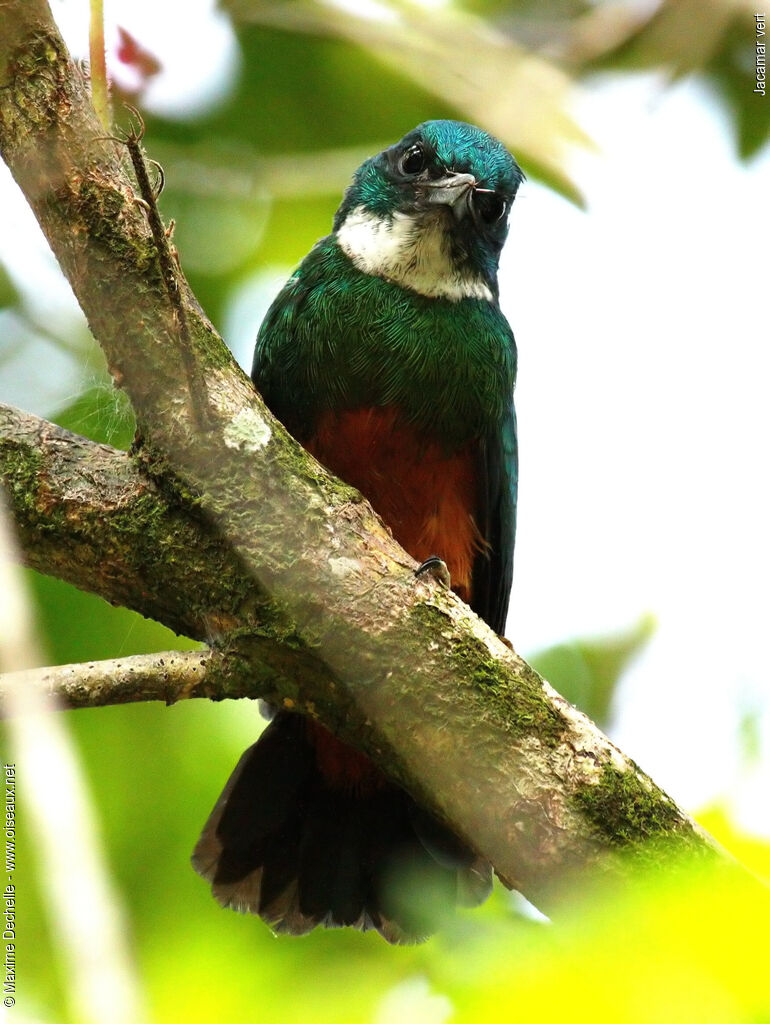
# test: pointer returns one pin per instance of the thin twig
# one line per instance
(169, 676)
(167, 260)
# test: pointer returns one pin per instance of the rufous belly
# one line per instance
(426, 496)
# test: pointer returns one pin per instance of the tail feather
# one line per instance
(288, 843)
(280, 867)
(330, 881)
(268, 781)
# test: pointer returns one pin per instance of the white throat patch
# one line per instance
(408, 251)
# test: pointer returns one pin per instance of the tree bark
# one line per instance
(87, 513)
(170, 676)
(326, 616)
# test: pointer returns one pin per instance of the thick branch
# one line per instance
(411, 676)
(88, 514)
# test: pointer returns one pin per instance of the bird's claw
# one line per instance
(436, 568)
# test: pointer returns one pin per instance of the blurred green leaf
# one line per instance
(464, 62)
(752, 851)
(216, 237)
(8, 294)
(715, 40)
(587, 671)
(658, 952)
(667, 38)
(732, 72)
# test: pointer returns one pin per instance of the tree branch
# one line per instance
(402, 669)
(170, 677)
(87, 513)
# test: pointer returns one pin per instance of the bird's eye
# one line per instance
(489, 206)
(413, 161)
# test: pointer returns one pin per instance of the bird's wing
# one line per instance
(498, 482)
(294, 344)
(272, 371)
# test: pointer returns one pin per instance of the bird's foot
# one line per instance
(436, 568)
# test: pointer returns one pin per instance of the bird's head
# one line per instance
(431, 212)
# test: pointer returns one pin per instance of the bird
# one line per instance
(387, 356)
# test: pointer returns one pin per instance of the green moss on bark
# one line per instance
(102, 208)
(296, 463)
(22, 467)
(37, 85)
(628, 809)
(515, 699)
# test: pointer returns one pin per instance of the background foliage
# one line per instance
(252, 182)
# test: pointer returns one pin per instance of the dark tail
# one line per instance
(308, 832)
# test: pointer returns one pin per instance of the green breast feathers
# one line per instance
(344, 338)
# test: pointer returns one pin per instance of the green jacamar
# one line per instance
(386, 354)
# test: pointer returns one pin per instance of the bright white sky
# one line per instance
(642, 330)
(643, 413)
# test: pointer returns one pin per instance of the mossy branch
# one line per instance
(328, 616)
(170, 677)
(89, 514)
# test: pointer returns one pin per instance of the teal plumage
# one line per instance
(339, 338)
(387, 355)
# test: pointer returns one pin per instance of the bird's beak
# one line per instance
(453, 191)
